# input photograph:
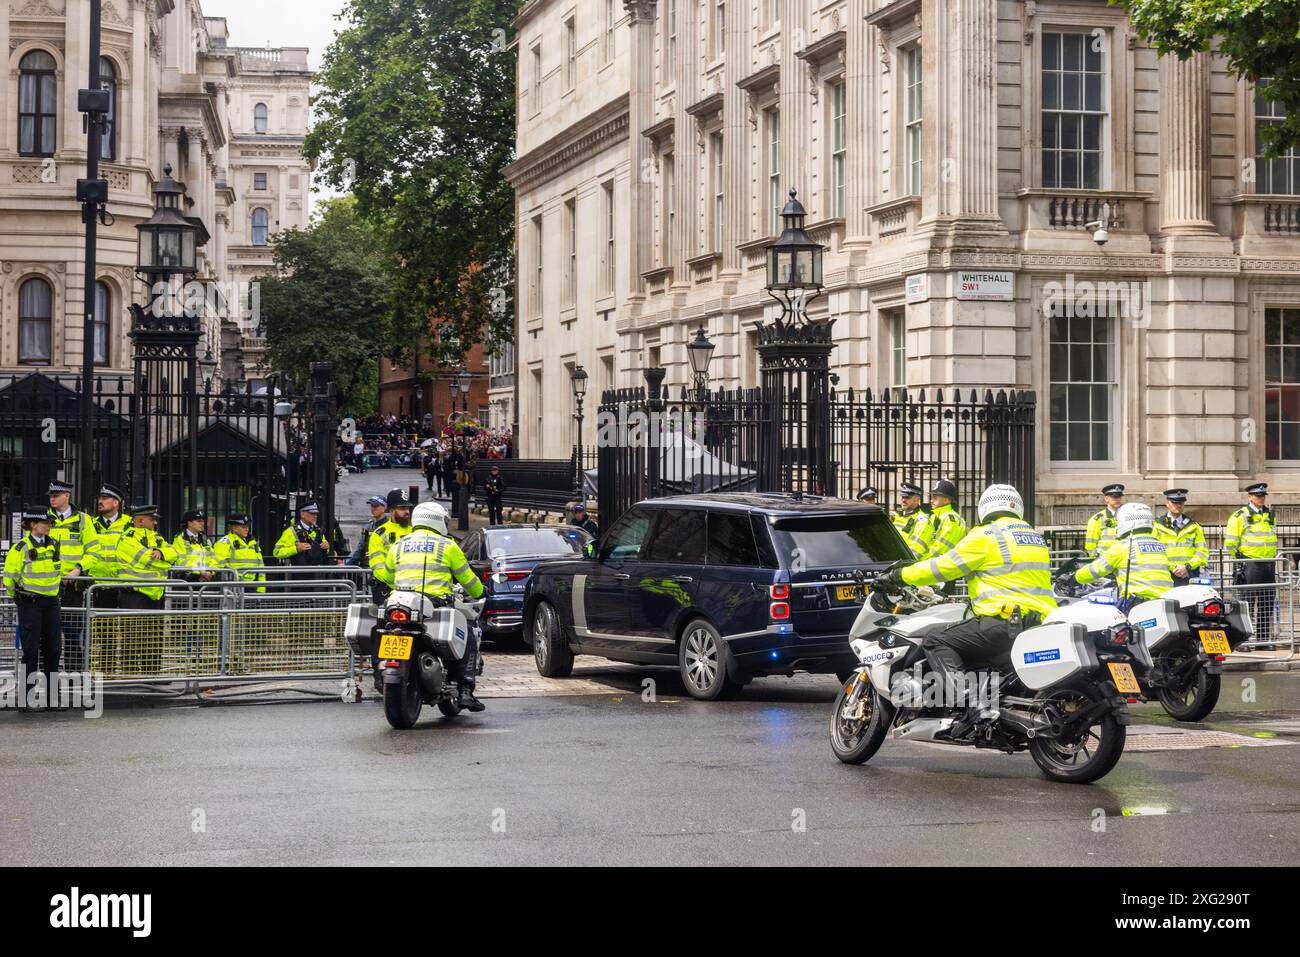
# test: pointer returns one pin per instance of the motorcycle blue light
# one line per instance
(1101, 599)
(1202, 581)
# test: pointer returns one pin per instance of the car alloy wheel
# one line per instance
(702, 659)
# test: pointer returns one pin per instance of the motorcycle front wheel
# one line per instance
(858, 734)
(1096, 750)
(403, 702)
(1194, 700)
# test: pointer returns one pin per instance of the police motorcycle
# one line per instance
(417, 640)
(1060, 693)
(1188, 631)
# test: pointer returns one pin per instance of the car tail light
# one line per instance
(779, 610)
(516, 576)
(399, 614)
(779, 592)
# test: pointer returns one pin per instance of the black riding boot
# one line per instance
(468, 672)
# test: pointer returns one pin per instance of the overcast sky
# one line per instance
(281, 23)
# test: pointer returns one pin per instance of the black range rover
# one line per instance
(724, 586)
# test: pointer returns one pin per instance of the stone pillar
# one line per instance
(736, 133)
(1185, 133)
(795, 125)
(641, 43)
(686, 135)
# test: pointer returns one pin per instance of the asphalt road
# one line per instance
(613, 779)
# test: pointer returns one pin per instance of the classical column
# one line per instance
(736, 134)
(686, 138)
(860, 90)
(1185, 133)
(641, 43)
(795, 97)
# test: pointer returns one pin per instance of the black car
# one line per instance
(724, 586)
(504, 556)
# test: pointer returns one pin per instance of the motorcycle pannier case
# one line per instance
(449, 631)
(1050, 654)
(361, 622)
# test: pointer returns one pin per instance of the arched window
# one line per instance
(35, 318)
(108, 80)
(261, 220)
(260, 116)
(37, 104)
(103, 306)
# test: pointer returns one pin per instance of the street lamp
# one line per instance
(794, 264)
(464, 389)
(166, 240)
(209, 366)
(700, 351)
(578, 378)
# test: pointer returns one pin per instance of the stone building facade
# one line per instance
(957, 158)
(229, 120)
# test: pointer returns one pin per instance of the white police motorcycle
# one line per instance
(1188, 631)
(1062, 693)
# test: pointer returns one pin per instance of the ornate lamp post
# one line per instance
(700, 351)
(794, 355)
(578, 378)
(464, 389)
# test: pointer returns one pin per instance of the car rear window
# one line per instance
(838, 541)
(531, 542)
(731, 540)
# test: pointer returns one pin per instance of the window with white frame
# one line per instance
(1282, 384)
(38, 104)
(718, 167)
(1083, 386)
(536, 292)
(912, 120)
(609, 263)
(103, 306)
(669, 8)
(839, 149)
(1074, 110)
(261, 226)
(611, 17)
(668, 197)
(719, 28)
(772, 127)
(261, 118)
(570, 54)
(773, 12)
(535, 91)
(897, 324)
(571, 265)
(259, 182)
(108, 81)
(1281, 175)
(35, 322)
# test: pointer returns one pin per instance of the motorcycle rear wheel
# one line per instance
(1093, 756)
(403, 703)
(1197, 699)
(856, 740)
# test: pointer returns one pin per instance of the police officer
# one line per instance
(32, 571)
(239, 551)
(383, 538)
(74, 530)
(1007, 565)
(147, 560)
(911, 520)
(1101, 527)
(194, 548)
(1251, 539)
(304, 542)
(426, 560)
(1183, 537)
(101, 553)
(583, 521)
(949, 526)
(868, 495)
(495, 487)
(1136, 558)
(378, 514)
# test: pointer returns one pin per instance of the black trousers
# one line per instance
(495, 510)
(1263, 601)
(975, 639)
(465, 671)
(39, 632)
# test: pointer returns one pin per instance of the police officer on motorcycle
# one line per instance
(426, 560)
(1136, 559)
(1007, 566)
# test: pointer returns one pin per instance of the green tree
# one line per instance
(415, 114)
(1260, 39)
(328, 301)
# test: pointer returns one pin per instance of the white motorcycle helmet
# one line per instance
(1000, 498)
(1132, 517)
(430, 515)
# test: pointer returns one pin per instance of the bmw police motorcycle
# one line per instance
(418, 640)
(1062, 692)
(1188, 632)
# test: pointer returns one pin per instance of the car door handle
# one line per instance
(622, 576)
(683, 578)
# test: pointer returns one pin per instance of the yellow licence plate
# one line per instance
(1125, 681)
(395, 647)
(846, 592)
(1215, 642)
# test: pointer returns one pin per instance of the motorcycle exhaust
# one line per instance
(432, 676)
(1030, 725)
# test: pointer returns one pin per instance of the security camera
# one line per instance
(1100, 233)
